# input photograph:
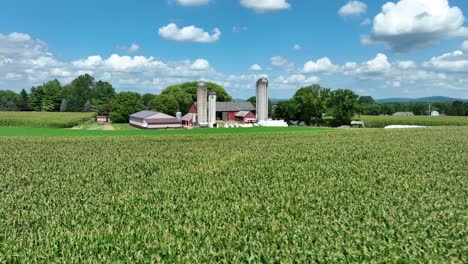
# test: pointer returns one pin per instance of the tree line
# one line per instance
(370, 107)
(316, 105)
(85, 94)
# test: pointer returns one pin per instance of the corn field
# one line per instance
(44, 119)
(382, 121)
(344, 196)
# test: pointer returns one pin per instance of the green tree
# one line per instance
(124, 104)
(51, 96)
(7, 100)
(148, 100)
(344, 105)
(22, 100)
(63, 105)
(102, 93)
(78, 92)
(88, 107)
(367, 100)
(166, 103)
(186, 94)
(311, 102)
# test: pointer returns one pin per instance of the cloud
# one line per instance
(456, 61)
(192, 2)
(321, 65)
(134, 48)
(414, 24)
(353, 8)
(366, 22)
(297, 47)
(282, 63)
(266, 5)
(255, 67)
(188, 34)
(464, 45)
(200, 65)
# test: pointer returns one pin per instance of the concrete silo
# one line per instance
(202, 104)
(262, 99)
(212, 109)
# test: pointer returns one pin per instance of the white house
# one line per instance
(154, 120)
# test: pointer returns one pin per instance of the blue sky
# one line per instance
(405, 48)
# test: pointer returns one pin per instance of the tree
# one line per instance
(186, 93)
(102, 93)
(165, 103)
(310, 103)
(344, 104)
(125, 104)
(63, 105)
(79, 91)
(366, 100)
(22, 100)
(88, 107)
(104, 110)
(458, 108)
(148, 100)
(7, 100)
(46, 97)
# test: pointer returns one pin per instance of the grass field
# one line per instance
(382, 121)
(342, 196)
(43, 119)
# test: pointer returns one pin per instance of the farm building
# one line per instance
(154, 120)
(403, 114)
(189, 120)
(232, 111)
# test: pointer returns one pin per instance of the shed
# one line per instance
(154, 120)
(435, 113)
(403, 114)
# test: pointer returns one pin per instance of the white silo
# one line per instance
(202, 104)
(262, 99)
(212, 109)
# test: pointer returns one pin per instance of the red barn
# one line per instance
(232, 111)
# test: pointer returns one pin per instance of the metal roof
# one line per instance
(188, 117)
(143, 114)
(242, 113)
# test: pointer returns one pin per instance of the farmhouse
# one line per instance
(243, 112)
(403, 114)
(154, 120)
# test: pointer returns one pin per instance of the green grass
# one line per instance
(382, 121)
(367, 195)
(43, 119)
(126, 130)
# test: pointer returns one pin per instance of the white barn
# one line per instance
(154, 120)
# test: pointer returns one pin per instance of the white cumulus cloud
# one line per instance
(321, 65)
(188, 34)
(255, 67)
(266, 5)
(413, 24)
(353, 8)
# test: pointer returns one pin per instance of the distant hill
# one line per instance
(431, 99)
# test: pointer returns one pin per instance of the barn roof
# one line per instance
(233, 106)
(143, 114)
(154, 121)
(188, 117)
(242, 113)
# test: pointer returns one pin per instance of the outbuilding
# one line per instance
(154, 120)
(403, 114)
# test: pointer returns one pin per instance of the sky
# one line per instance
(399, 48)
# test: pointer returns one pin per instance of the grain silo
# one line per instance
(212, 109)
(262, 99)
(202, 104)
